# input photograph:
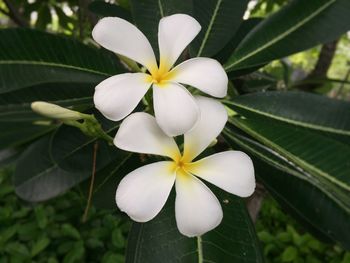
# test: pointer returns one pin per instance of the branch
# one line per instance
(322, 66)
(15, 15)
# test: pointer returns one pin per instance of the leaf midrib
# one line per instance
(51, 64)
(210, 26)
(295, 122)
(281, 36)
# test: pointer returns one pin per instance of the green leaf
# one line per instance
(39, 245)
(15, 105)
(73, 151)
(314, 204)
(37, 178)
(220, 20)
(70, 231)
(147, 14)
(16, 133)
(289, 254)
(297, 26)
(322, 157)
(106, 9)
(44, 17)
(234, 240)
(244, 28)
(30, 57)
(297, 108)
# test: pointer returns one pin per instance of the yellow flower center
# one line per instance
(161, 75)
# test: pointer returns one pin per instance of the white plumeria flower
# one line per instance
(175, 109)
(143, 192)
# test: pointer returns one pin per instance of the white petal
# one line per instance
(142, 193)
(122, 37)
(117, 96)
(212, 120)
(205, 74)
(233, 171)
(140, 133)
(197, 210)
(174, 34)
(175, 108)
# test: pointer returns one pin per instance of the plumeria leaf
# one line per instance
(37, 178)
(297, 26)
(73, 151)
(30, 57)
(16, 133)
(233, 240)
(15, 105)
(298, 108)
(320, 156)
(219, 20)
(147, 14)
(315, 199)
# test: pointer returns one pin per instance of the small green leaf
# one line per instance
(118, 239)
(70, 231)
(289, 254)
(39, 245)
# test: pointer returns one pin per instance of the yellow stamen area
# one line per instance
(161, 75)
(180, 167)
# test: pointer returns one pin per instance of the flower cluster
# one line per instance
(143, 192)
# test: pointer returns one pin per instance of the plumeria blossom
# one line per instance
(175, 109)
(143, 192)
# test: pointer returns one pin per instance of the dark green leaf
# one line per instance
(147, 14)
(16, 133)
(37, 178)
(219, 20)
(44, 17)
(315, 204)
(234, 240)
(322, 157)
(297, 26)
(30, 57)
(298, 108)
(39, 245)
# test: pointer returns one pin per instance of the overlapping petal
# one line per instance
(175, 108)
(205, 74)
(211, 122)
(175, 32)
(143, 192)
(117, 96)
(140, 133)
(197, 209)
(122, 37)
(232, 171)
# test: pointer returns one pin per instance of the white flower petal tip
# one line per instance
(122, 37)
(205, 74)
(212, 120)
(197, 209)
(142, 193)
(139, 132)
(175, 109)
(118, 96)
(175, 33)
(232, 171)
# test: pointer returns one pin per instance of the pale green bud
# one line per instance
(54, 111)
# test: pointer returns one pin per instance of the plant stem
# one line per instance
(91, 188)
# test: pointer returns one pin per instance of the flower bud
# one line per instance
(54, 111)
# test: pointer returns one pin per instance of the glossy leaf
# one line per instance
(73, 151)
(298, 108)
(220, 20)
(309, 201)
(147, 14)
(15, 105)
(30, 57)
(318, 155)
(297, 26)
(37, 178)
(16, 133)
(234, 240)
